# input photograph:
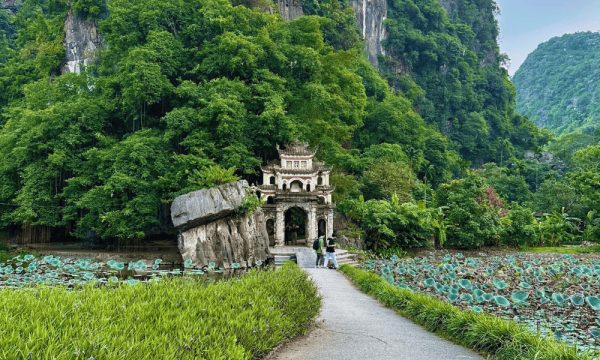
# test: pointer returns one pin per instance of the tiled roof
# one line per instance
(296, 148)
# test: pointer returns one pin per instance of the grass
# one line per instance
(179, 318)
(7, 252)
(503, 339)
(565, 249)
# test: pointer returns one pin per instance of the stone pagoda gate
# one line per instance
(297, 194)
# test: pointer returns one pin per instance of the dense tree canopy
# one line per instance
(187, 95)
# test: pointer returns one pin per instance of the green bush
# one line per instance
(180, 318)
(389, 224)
(472, 212)
(520, 227)
(484, 333)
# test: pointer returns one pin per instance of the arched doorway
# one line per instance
(271, 231)
(322, 227)
(296, 186)
(296, 220)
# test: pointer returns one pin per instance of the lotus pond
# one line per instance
(29, 270)
(554, 295)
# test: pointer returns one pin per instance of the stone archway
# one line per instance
(296, 226)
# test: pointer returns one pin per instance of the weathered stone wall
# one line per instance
(210, 228)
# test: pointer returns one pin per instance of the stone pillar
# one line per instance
(279, 226)
(330, 223)
(313, 225)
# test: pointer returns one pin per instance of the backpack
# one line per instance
(316, 245)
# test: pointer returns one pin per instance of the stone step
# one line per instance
(308, 256)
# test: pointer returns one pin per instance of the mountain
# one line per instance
(110, 109)
(558, 85)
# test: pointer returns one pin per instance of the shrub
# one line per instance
(557, 228)
(519, 227)
(485, 333)
(179, 318)
(390, 223)
(472, 212)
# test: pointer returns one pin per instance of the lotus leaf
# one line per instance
(465, 284)
(524, 285)
(488, 296)
(499, 284)
(466, 298)
(519, 296)
(558, 298)
(593, 302)
(429, 282)
(501, 300)
(478, 293)
(577, 299)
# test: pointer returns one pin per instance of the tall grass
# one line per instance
(503, 339)
(172, 319)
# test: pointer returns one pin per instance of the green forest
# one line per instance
(557, 85)
(191, 94)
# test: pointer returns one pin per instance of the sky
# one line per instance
(524, 24)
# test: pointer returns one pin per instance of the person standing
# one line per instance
(330, 252)
(319, 247)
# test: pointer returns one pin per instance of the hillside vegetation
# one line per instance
(187, 95)
(558, 84)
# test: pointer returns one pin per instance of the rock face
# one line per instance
(81, 43)
(290, 9)
(11, 5)
(370, 15)
(203, 206)
(210, 229)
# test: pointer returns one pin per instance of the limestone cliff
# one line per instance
(210, 228)
(290, 9)
(370, 15)
(11, 5)
(81, 43)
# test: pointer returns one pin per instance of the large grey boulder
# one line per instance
(211, 228)
(207, 205)
(241, 239)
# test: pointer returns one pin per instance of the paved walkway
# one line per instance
(352, 325)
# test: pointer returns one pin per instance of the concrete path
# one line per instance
(353, 325)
